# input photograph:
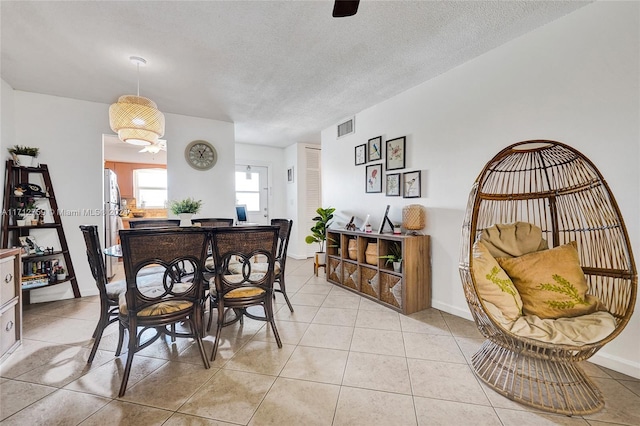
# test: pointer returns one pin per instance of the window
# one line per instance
(150, 188)
(248, 190)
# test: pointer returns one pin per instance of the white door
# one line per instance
(252, 189)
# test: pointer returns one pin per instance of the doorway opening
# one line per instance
(252, 190)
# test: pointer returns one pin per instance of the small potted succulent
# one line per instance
(184, 209)
(23, 155)
(394, 256)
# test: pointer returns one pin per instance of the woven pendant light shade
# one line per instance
(413, 217)
(137, 120)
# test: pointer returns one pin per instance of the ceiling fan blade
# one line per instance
(343, 8)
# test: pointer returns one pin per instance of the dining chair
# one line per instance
(109, 292)
(154, 223)
(177, 294)
(239, 291)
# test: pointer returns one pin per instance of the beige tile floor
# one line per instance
(345, 361)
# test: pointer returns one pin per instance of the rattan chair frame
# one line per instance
(176, 249)
(154, 223)
(557, 188)
(242, 244)
(109, 309)
(284, 233)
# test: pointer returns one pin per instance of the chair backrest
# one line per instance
(181, 252)
(154, 223)
(242, 244)
(95, 257)
(557, 188)
(211, 222)
(284, 233)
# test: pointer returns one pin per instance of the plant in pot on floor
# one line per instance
(319, 233)
(23, 155)
(184, 209)
(394, 256)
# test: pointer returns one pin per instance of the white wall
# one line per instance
(69, 135)
(574, 80)
(7, 126)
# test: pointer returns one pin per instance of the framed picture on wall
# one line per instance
(361, 154)
(373, 178)
(375, 148)
(411, 184)
(393, 185)
(395, 154)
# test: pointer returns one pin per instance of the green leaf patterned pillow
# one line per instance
(493, 284)
(551, 282)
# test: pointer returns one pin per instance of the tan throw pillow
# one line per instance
(551, 282)
(513, 239)
(493, 284)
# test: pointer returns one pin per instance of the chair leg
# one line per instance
(97, 335)
(173, 332)
(120, 338)
(210, 314)
(283, 290)
(221, 313)
(195, 327)
(268, 309)
(133, 340)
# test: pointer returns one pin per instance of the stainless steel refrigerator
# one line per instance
(111, 218)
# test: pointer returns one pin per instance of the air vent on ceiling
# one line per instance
(347, 127)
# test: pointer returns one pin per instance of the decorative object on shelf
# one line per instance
(397, 229)
(385, 221)
(136, 119)
(393, 185)
(413, 217)
(395, 155)
(24, 155)
(375, 148)
(411, 184)
(60, 272)
(350, 226)
(374, 178)
(184, 209)
(353, 248)
(361, 154)
(394, 256)
(40, 216)
(201, 155)
(371, 254)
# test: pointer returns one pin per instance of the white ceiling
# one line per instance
(280, 70)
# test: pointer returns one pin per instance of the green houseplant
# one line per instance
(394, 256)
(23, 155)
(319, 229)
(185, 208)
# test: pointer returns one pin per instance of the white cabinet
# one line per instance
(10, 302)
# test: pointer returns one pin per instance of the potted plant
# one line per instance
(185, 209)
(319, 232)
(23, 155)
(25, 209)
(60, 272)
(394, 256)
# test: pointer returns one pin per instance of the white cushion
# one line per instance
(574, 331)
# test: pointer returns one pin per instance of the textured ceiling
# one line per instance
(280, 70)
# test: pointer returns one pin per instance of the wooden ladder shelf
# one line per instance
(11, 232)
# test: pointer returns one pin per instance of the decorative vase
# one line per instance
(397, 266)
(21, 222)
(25, 160)
(185, 219)
(61, 277)
(371, 254)
(353, 249)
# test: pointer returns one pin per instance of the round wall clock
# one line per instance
(201, 155)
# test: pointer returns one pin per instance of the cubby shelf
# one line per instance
(353, 262)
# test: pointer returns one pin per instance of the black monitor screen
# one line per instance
(241, 212)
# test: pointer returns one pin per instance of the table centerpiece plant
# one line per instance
(184, 209)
